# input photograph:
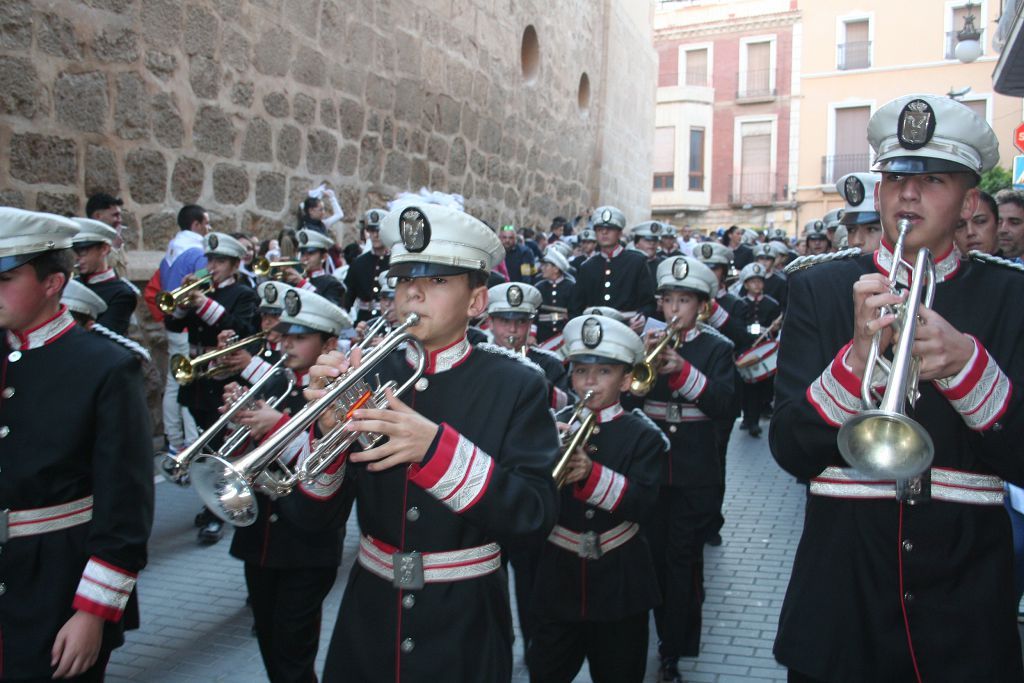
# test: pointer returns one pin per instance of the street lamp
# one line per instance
(968, 47)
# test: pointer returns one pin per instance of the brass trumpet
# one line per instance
(176, 467)
(882, 441)
(186, 370)
(645, 374)
(228, 488)
(168, 301)
(574, 438)
(263, 267)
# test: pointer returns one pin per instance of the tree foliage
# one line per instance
(996, 179)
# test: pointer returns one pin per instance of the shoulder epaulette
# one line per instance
(129, 344)
(548, 353)
(502, 351)
(995, 260)
(711, 331)
(805, 262)
(133, 287)
(643, 416)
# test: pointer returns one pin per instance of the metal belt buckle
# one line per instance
(590, 546)
(4, 535)
(915, 490)
(673, 413)
(408, 571)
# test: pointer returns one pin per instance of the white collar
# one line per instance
(442, 359)
(615, 252)
(97, 278)
(946, 265)
(225, 283)
(44, 334)
(316, 273)
(612, 412)
(690, 335)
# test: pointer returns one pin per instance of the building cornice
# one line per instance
(732, 25)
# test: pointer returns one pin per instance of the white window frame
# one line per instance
(683, 49)
(737, 143)
(980, 97)
(831, 132)
(772, 40)
(980, 23)
(842, 21)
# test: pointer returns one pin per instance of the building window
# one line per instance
(757, 73)
(668, 67)
(957, 16)
(979, 107)
(755, 183)
(696, 182)
(664, 158)
(855, 50)
(697, 67)
(850, 153)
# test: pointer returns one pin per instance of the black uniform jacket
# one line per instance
(704, 390)
(487, 476)
(627, 451)
(741, 256)
(74, 423)
(843, 619)
(521, 263)
(120, 297)
(729, 316)
(232, 306)
(555, 372)
(555, 294)
(764, 311)
(623, 282)
(776, 286)
(279, 539)
(361, 283)
(327, 286)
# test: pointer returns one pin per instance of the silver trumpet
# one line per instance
(882, 441)
(176, 467)
(228, 488)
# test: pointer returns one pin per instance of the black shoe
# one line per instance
(669, 670)
(744, 426)
(203, 518)
(714, 540)
(755, 431)
(212, 532)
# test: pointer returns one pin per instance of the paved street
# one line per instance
(196, 624)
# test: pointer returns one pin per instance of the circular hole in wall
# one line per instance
(530, 54)
(583, 93)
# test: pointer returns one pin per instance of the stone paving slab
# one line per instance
(196, 627)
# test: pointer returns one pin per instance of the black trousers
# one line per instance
(755, 398)
(93, 674)
(675, 532)
(723, 430)
(286, 608)
(616, 650)
(524, 555)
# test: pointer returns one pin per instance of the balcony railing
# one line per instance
(952, 40)
(697, 77)
(836, 166)
(753, 188)
(853, 55)
(758, 84)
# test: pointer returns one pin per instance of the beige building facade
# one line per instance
(856, 56)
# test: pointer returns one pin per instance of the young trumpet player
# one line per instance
(694, 387)
(914, 581)
(595, 580)
(313, 252)
(289, 568)
(229, 306)
(92, 247)
(464, 467)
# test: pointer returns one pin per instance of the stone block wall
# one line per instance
(244, 105)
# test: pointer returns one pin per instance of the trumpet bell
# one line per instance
(224, 491)
(886, 445)
(182, 369)
(643, 380)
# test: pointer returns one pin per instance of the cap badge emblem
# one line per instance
(414, 230)
(854, 190)
(680, 269)
(706, 251)
(270, 294)
(606, 216)
(655, 228)
(916, 124)
(292, 303)
(592, 333)
(374, 218)
(514, 295)
(303, 237)
(212, 242)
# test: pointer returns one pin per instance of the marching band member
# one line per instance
(76, 513)
(555, 289)
(92, 247)
(617, 277)
(596, 581)
(915, 585)
(586, 242)
(669, 245)
(252, 364)
(289, 569)
(86, 306)
(230, 306)
(695, 386)
(464, 466)
(774, 282)
(361, 282)
(816, 240)
(646, 239)
(313, 252)
(762, 311)
(863, 226)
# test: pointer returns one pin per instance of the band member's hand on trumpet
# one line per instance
(579, 465)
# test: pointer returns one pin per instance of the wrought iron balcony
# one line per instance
(758, 84)
(836, 166)
(756, 189)
(853, 55)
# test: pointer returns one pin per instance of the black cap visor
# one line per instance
(11, 262)
(860, 218)
(593, 359)
(422, 269)
(918, 165)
